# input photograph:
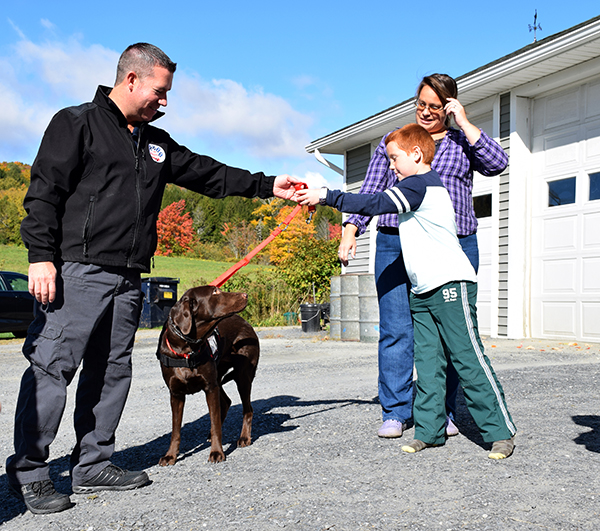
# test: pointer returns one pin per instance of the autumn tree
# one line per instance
(241, 239)
(304, 261)
(11, 215)
(296, 232)
(175, 231)
(335, 232)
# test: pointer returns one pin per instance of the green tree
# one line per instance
(310, 265)
(210, 215)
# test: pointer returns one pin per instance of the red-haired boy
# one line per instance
(443, 293)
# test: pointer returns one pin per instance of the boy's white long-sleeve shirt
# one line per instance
(430, 248)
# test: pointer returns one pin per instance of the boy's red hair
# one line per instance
(412, 135)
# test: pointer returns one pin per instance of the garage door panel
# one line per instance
(562, 109)
(590, 277)
(559, 276)
(558, 318)
(592, 148)
(591, 230)
(590, 320)
(484, 313)
(484, 276)
(561, 149)
(560, 234)
(592, 100)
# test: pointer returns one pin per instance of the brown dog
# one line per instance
(189, 364)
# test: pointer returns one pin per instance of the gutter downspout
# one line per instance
(325, 162)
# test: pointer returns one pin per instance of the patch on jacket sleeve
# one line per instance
(157, 153)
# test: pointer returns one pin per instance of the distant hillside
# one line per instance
(14, 175)
(217, 223)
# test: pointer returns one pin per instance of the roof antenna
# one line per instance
(535, 27)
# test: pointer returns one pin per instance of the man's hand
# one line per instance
(42, 281)
(283, 186)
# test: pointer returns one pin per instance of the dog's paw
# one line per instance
(244, 441)
(216, 457)
(167, 460)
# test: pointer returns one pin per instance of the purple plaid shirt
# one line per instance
(455, 160)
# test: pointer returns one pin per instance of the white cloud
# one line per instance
(69, 69)
(47, 24)
(17, 29)
(224, 111)
(39, 78)
(314, 180)
(22, 122)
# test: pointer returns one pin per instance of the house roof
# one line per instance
(557, 52)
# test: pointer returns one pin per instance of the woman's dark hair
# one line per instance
(444, 87)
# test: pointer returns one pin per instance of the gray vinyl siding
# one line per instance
(357, 162)
(503, 219)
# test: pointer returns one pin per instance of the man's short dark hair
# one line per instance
(141, 58)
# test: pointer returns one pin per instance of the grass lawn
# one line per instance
(13, 258)
(190, 272)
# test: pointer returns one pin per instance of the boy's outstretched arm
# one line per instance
(366, 204)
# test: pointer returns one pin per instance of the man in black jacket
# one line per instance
(95, 194)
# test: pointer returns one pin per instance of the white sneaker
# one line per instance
(391, 429)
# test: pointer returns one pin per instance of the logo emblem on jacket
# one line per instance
(157, 153)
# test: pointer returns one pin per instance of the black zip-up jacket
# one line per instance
(94, 196)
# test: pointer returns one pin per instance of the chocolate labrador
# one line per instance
(202, 346)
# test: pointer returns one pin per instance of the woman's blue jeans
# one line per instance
(396, 354)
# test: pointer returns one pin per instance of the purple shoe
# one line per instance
(451, 429)
(390, 429)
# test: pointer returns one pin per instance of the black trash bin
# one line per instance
(310, 315)
(160, 295)
(325, 311)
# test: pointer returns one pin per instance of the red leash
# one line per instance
(218, 282)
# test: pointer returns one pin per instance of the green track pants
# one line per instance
(445, 328)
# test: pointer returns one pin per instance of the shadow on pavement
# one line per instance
(589, 439)
(193, 440)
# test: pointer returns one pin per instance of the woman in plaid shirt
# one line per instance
(459, 153)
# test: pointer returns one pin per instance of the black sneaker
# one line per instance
(113, 478)
(40, 497)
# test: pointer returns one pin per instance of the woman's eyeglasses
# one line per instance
(421, 106)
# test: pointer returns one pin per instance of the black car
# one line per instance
(16, 303)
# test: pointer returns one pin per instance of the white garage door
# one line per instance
(565, 248)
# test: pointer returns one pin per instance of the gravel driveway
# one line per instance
(316, 462)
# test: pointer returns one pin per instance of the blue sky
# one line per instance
(256, 81)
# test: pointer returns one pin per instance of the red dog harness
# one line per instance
(202, 350)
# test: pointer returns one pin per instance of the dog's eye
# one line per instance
(216, 291)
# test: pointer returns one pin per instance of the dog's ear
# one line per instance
(183, 315)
